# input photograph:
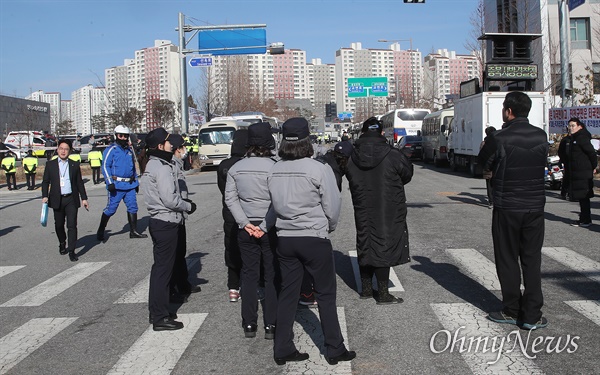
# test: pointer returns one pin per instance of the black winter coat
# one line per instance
(582, 161)
(329, 159)
(516, 155)
(377, 174)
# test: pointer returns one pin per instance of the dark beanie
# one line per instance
(295, 129)
(259, 134)
(156, 137)
(372, 124)
(240, 142)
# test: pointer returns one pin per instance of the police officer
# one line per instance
(95, 159)
(9, 165)
(75, 156)
(166, 208)
(121, 182)
(30, 164)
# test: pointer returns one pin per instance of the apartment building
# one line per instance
(321, 86)
(87, 102)
(52, 98)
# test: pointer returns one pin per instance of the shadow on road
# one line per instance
(7, 230)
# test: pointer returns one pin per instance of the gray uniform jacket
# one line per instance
(305, 197)
(161, 191)
(246, 192)
(183, 189)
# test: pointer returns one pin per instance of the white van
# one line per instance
(27, 140)
(215, 138)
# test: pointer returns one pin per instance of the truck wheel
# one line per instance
(453, 164)
(436, 161)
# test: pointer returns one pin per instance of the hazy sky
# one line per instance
(62, 45)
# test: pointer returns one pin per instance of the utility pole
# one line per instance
(565, 74)
(183, 75)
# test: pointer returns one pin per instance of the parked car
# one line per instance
(19, 153)
(412, 146)
(101, 139)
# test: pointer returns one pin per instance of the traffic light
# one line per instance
(414, 1)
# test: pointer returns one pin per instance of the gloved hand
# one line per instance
(193, 209)
(112, 188)
(137, 189)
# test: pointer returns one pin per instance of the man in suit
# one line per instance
(61, 188)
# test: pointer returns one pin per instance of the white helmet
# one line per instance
(121, 129)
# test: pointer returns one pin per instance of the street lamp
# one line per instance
(412, 81)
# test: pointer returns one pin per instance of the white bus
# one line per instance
(251, 118)
(215, 138)
(435, 136)
(401, 122)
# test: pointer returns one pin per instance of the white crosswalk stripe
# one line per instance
(588, 308)
(139, 293)
(21, 342)
(308, 338)
(577, 262)
(5, 270)
(394, 284)
(157, 353)
(464, 325)
(477, 266)
(55, 285)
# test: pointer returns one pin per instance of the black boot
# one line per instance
(72, 256)
(133, 233)
(384, 297)
(367, 287)
(103, 222)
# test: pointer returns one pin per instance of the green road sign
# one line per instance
(368, 86)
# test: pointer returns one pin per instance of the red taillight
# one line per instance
(407, 145)
(395, 137)
(555, 169)
(443, 149)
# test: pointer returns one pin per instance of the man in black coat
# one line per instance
(377, 173)
(582, 162)
(564, 148)
(62, 186)
(516, 155)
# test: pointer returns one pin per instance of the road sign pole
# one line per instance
(183, 68)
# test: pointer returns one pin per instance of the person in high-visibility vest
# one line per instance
(75, 157)
(30, 164)
(95, 159)
(9, 165)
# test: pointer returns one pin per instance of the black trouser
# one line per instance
(30, 180)
(488, 187)
(519, 236)
(179, 279)
(96, 175)
(585, 216)
(316, 256)
(13, 177)
(233, 258)
(306, 289)
(252, 251)
(164, 237)
(68, 211)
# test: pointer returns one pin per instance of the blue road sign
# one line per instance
(201, 61)
(575, 3)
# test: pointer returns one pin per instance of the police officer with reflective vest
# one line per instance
(75, 157)
(121, 180)
(9, 165)
(95, 159)
(30, 164)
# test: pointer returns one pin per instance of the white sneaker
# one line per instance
(234, 295)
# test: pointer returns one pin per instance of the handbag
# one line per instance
(44, 215)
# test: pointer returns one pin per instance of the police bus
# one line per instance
(434, 132)
(404, 121)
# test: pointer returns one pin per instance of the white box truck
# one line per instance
(472, 114)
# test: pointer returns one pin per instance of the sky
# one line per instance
(63, 45)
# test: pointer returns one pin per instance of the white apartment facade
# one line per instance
(87, 102)
(321, 86)
(52, 98)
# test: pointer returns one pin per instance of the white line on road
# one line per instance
(590, 309)
(394, 284)
(463, 320)
(139, 293)
(5, 270)
(477, 266)
(577, 262)
(56, 285)
(24, 340)
(157, 353)
(308, 337)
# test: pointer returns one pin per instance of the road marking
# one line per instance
(157, 353)
(463, 320)
(5, 270)
(56, 285)
(139, 293)
(24, 340)
(477, 266)
(590, 309)
(308, 337)
(394, 284)
(577, 262)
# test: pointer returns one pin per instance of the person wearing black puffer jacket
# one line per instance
(582, 163)
(516, 155)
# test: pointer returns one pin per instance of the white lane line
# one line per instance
(589, 308)
(394, 284)
(5, 270)
(139, 293)
(477, 266)
(468, 332)
(308, 337)
(55, 285)
(577, 262)
(157, 353)
(24, 340)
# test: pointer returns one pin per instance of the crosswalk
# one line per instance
(148, 355)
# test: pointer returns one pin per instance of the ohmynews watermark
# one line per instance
(499, 345)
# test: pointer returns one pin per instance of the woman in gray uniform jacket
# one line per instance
(307, 203)
(166, 208)
(247, 198)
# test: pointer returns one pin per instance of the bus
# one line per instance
(435, 130)
(404, 121)
(251, 118)
(215, 138)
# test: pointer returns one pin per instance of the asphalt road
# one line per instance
(90, 317)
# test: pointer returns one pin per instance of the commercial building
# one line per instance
(23, 114)
(52, 98)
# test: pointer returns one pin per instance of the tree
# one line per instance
(64, 127)
(163, 112)
(99, 123)
(586, 89)
(130, 117)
